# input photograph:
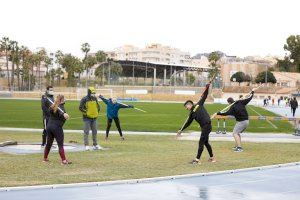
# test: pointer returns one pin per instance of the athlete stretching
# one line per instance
(238, 110)
(58, 116)
(199, 113)
(112, 113)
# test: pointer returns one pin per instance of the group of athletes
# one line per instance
(55, 115)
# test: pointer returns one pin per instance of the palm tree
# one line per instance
(24, 53)
(17, 60)
(40, 58)
(59, 72)
(101, 59)
(13, 55)
(85, 48)
(5, 47)
(58, 57)
(48, 62)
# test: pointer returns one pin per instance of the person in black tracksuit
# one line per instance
(45, 104)
(58, 116)
(294, 106)
(239, 111)
(199, 113)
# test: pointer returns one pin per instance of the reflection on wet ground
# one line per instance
(278, 183)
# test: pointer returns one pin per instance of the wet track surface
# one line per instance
(273, 184)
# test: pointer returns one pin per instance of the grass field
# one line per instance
(159, 117)
(137, 157)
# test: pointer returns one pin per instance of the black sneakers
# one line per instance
(195, 162)
(238, 149)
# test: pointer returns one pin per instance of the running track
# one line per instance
(275, 183)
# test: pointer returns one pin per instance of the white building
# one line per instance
(153, 53)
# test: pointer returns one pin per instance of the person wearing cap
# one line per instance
(200, 115)
(45, 104)
(112, 113)
(239, 111)
(90, 109)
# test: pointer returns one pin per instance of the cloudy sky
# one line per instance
(237, 27)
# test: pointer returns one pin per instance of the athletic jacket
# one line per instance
(112, 110)
(238, 109)
(294, 104)
(198, 113)
(58, 117)
(89, 107)
(45, 104)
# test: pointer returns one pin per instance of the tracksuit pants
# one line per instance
(117, 122)
(204, 141)
(55, 131)
(44, 135)
(90, 124)
(293, 111)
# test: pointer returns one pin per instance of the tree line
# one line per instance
(26, 66)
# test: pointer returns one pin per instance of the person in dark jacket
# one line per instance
(199, 113)
(57, 118)
(90, 109)
(294, 106)
(45, 104)
(112, 113)
(239, 111)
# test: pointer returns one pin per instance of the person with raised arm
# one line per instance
(200, 115)
(112, 113)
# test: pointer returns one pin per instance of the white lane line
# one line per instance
(273, 125)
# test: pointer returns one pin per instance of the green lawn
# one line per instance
(159, 117)
(136, 157)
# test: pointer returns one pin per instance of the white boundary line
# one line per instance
(274, 126)
(144, 180)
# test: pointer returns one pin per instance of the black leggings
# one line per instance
(204, 140)
(294, 111)
(44, 136)
(55, 132)
(117, 122)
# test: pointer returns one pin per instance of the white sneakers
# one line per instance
(97, 147)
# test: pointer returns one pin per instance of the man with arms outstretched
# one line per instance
(239, 111)
(199, 113)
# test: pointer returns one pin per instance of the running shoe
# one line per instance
(233, 148)
(195, 162)
(122, 138)
(212, 159)
(65, 162)
(239, 149)
(87, 148)
(97, 147)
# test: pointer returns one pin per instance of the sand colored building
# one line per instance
(287, 79)
(230, 68)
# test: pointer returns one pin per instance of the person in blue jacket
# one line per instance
(112, 113)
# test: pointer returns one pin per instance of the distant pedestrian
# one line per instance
(265, 102)
(273, 101)
(294, 106)
(278, 101)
